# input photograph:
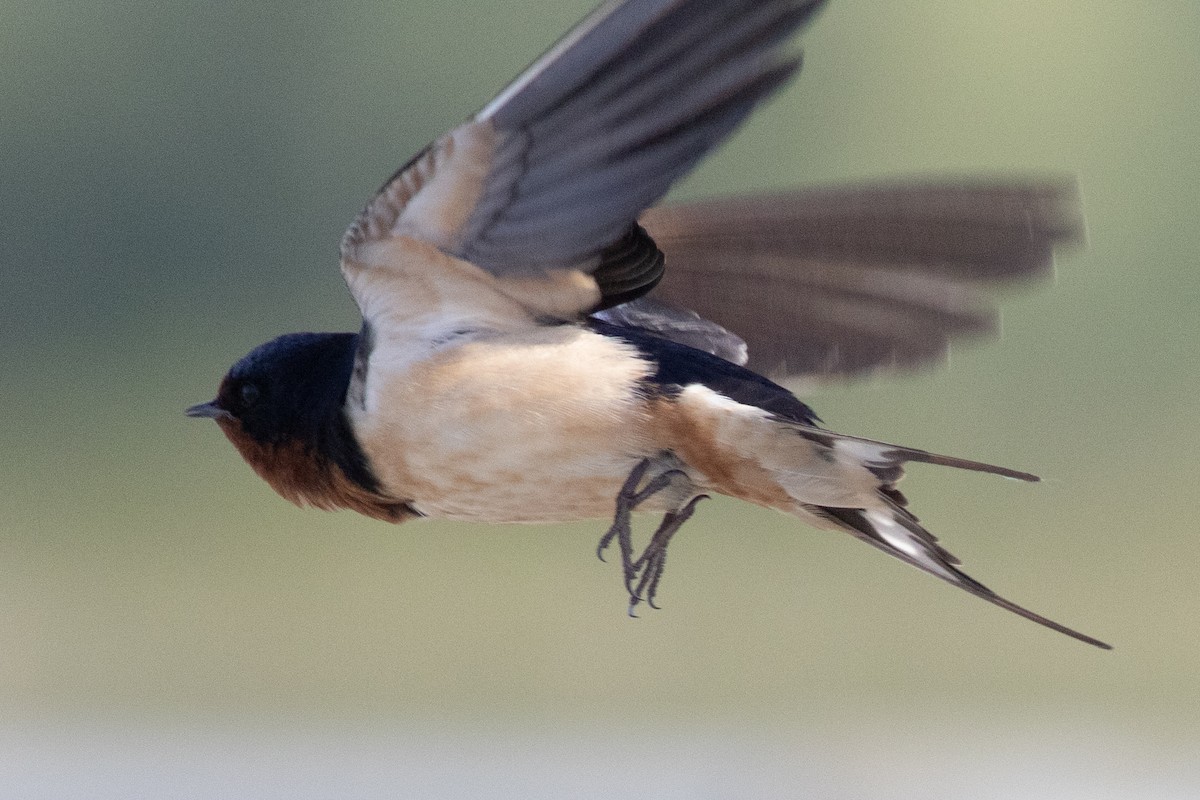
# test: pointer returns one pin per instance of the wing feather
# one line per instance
(556, 169)
(837, 282)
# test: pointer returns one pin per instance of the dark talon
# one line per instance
(654, 586)
(653, 561)
(628, 499)
(647, 569)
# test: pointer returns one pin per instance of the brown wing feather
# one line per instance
(835, 282)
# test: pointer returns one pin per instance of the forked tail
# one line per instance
(892, 528)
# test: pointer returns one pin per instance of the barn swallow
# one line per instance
(540, 343)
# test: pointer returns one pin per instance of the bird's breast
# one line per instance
(539, 426)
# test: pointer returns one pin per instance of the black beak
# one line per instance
(209, 409)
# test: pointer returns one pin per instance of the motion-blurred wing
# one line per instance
(553, 173)
(841, 281)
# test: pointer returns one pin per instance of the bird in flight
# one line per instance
(541, 342)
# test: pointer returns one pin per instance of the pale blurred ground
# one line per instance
(174, 182)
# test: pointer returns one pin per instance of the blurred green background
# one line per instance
(174, 181)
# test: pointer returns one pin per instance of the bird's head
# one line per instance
(282, 406)
(283, 392)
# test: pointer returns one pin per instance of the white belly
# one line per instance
(536, 427)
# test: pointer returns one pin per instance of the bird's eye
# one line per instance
(249, 394)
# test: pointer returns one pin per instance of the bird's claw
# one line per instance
(647, 569)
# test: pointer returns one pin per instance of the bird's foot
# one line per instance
(647, 569)
(628, 499)
(653, 560)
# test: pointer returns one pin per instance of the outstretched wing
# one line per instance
(841, 281)
(552, 174)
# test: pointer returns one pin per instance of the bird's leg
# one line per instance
(647, 569)
(653, 561)
(628, 499)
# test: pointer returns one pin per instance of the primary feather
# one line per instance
(825, 282)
